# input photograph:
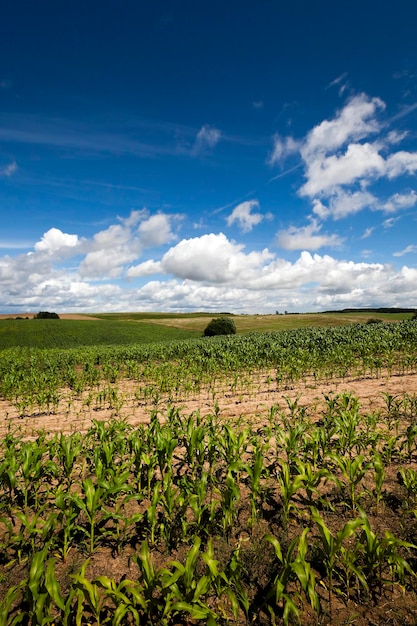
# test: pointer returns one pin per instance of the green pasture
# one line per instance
(256, 323)
(136, 328)
(48, 333)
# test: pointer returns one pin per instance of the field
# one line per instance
(265, 478)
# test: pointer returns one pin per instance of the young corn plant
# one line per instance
(411, 437)
(230, 496)
(379, 478)
(294, 578)
(332, 547)
(67, 517)
(35, 530)
(408, 478)
(382, 559)
(202, 504)
(89, 601)
(186, 590)
(353, 471)
(37, 600)
(128, 602)
(173, 523)
(289, 485)
(256, 472)
(94, 496)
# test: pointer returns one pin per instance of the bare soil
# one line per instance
(76, 414)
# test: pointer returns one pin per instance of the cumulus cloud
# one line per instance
(207, 138)
(147, 268)
(344, 203)
(355, 121)
(211, 258)
(401, 162)
(54, 240)
(327, 173)
(312, 282)
(208, 272)
(400, 201)
(156, 230)
(243, 216)
(343, 156)
(109, 251)
(122, 244)
(306, 238)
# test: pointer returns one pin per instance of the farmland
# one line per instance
(269, 477)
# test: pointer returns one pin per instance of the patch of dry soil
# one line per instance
(251, 407)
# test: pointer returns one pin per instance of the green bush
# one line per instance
(220, 326)
(43, 315)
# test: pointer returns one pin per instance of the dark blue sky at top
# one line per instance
(101, 104)
(180, 60)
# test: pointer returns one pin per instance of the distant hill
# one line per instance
(375, 310)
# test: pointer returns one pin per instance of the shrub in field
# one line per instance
(43, 315)
(220, 326)
(374, 320)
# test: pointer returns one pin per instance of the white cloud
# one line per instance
(156, 230)
(109, 251)
(401, 163)
(306, 238)
(207, 138)
(54, 240)
(209, 272)
(355, 121)
(9, 170)
(340, 82)
(147, 268)
(343, 204)
(212, 258)
(243, 216)
(341, 162)
(121, 244)
(326, 173)
(312, 282)
(407, 250)
(395, 137)
(400, 201)
(389, 223)
(282, 147)
(368, 232)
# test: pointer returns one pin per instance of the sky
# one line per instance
(239, 156)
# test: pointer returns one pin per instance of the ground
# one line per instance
(78, 417)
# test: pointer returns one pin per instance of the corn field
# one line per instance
(303, 515)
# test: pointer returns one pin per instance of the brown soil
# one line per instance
(74, 414)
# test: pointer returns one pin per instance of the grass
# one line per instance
(77, 333)
(137, 328)
(261, 323)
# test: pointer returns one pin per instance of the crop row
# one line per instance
(37, 380)
(211, 522)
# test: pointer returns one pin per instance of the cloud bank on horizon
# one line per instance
(135, 213)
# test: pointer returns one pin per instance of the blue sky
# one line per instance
(180, 155)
